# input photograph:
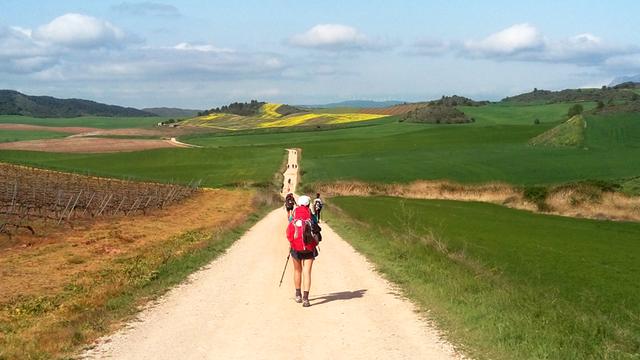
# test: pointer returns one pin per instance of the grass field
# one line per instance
(519, 114)
(20, 135)
(85, 121)
(507, 284)
(227, 166)
(494, 148)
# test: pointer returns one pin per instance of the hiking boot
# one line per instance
(298, 299)
(305, 303)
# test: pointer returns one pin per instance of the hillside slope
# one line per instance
(15, 103)
(269, 115)
(569, 133)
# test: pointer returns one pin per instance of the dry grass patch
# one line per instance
(575, 200)
(67, 286)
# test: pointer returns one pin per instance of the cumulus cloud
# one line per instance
(20, 54)
(76, 47)
(512, 40)
(336, 37)
(524, 42)
(185, 46)
(147, 8)
(77, 30)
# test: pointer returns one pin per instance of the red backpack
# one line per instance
(302, 233)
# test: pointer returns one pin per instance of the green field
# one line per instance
(507, 284)
(21, 135)
(228, 166)
(494, 148)
(487, 150)
(519, 114)
(85, 121)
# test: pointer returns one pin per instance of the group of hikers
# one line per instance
(303, 233)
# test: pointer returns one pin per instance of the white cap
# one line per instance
(304, 200)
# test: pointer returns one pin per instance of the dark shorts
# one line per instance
(304, 255)
(289, 208)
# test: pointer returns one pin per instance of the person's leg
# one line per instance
(306, 276)
(297, 275)
(306, 265)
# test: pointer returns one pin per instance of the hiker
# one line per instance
(304, 235)
(317, 207)
(289, 203)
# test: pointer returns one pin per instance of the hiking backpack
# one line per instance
(317, 205)
(289, 201)
(302, 232)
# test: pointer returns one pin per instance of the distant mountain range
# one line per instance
(173, 112)
(16, 103)
(624, 79)
(357, 104)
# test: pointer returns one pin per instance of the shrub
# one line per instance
(537, 195)
(575, 110)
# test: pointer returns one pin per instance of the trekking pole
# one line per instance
(285, 269)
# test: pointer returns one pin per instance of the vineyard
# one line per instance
(30, 195)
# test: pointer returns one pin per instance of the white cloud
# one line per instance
(335, 37)
(77, 30)
(185, 46)
(20, 54)
(147, 8)
(524, 42)
(512, 40)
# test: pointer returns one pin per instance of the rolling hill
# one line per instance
(356, 104)
(15, 103)
(239, 116)
(605, 94)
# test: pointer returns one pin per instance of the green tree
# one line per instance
(575, 110)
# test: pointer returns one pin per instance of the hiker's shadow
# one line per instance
(343, 295)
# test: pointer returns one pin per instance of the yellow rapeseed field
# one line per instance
(269, 111)
(301, 119)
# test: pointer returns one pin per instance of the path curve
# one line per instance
(234, 309)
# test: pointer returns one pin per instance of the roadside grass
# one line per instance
(504, 283)
(85, 121)
(96, 303)
(216, 167)
(21, 135)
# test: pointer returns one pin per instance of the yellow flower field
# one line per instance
(301, 119)
(269, 111)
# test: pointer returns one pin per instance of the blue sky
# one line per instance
(200, 54)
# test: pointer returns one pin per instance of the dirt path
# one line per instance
(234, 309)
(291, 174)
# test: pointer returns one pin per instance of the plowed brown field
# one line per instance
(87, 145)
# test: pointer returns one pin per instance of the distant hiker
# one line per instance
(317, 207)
(289, 204)
(303, 234)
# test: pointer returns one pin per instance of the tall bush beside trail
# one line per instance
(575, 110)
(537, 195)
